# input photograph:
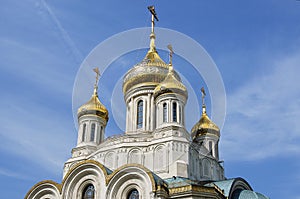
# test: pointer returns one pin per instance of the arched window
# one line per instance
(93, 132)
(174, 112)
(133, 194)
(89, 192)
(83, 132)
(165, 112)
(140, 114)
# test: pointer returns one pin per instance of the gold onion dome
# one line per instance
(171, 84)
(93, 107)
(205, 126)
(149, 72)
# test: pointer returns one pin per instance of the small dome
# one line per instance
(171, 84)
(205, 126)
(93, 107)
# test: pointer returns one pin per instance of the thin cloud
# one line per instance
(263, 115)
(65, 36)
(13, 174)
(27, 134)
(41, 75)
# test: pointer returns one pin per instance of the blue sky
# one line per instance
(255, 45)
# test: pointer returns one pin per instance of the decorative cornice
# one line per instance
(195, 188)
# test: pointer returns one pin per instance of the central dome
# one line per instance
(149, 72)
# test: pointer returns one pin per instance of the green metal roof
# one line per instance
(224, 185)
(247, 194)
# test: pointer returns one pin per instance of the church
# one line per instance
(156, 157)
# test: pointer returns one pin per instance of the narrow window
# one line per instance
(217, 150)
(89, 192)
(133, 194)
(100, 134)
(210, 147)
(174, 112)
(165, 112)
(179, 108)
(83, 132)
(140, 114)
(93, 132)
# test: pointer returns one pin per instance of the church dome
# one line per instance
(205, 126)
(171, 84)
(93, 107)
(149, 72)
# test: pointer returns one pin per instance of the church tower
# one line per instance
(206, 133)
(138, 87)
(170, 97)
(92, 120)
(204, 151)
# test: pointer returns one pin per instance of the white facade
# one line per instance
(156, 157)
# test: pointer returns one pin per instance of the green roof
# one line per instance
(247, 194)
(224, 185)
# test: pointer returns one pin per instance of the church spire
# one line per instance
(152, 35)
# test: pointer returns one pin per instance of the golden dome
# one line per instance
(149, 72)
(205, 126)
(171, 84)
(93, 107)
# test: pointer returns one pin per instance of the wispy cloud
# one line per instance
(35, 133)
(25, 67)
(263, 114)
(46, 9)
(13, 174)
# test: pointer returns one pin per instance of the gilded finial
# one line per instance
(203, 100)
(170, 54)
(152, 35)
(96, 70)
(154, 16)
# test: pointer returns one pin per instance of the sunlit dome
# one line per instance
(205, 126)
(171, 84)
(149, 72)
(93, 107)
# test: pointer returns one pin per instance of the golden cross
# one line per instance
(154, 16)
(203, 95)
(96, 70)
(171, 53)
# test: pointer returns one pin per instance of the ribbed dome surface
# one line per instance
(94, 107)
(205, 126)
(150, 71)
(171, 84)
